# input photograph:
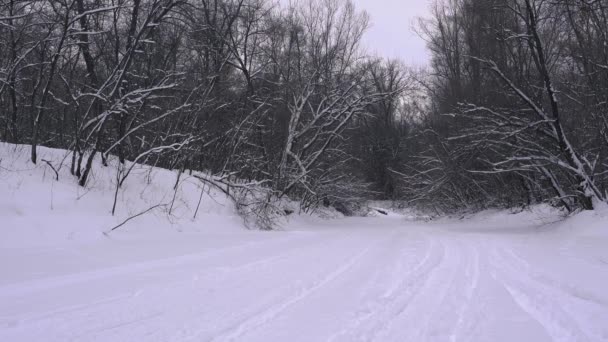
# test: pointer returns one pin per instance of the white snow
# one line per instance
(495, 276)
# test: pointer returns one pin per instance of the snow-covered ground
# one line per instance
(491, 277)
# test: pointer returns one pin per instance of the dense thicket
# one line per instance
(258, 96)
(519, 106)
(274, 102)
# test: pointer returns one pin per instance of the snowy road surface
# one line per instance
(372, 279)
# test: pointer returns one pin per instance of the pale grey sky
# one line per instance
(391, 28)
(391, 33)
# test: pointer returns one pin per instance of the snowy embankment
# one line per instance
(492, 277)
(49, 211)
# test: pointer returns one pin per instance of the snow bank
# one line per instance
(37, 209)
(537, 218)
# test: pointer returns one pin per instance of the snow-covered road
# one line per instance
(372, 279)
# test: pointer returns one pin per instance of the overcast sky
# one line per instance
(391, 28)
(391, 33)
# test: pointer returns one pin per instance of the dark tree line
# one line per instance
(269, 102)
(254, 95)
(519, 106)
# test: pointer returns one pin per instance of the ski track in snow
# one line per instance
(562, 310)
(267, 315)
(383, 279)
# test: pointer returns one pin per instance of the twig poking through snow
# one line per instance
(134, 216)
(53, 168)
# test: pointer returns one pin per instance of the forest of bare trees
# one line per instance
(270, 102)
(519, 109)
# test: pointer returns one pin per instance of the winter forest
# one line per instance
(250, 170)
(512, 111)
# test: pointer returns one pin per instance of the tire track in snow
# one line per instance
(217, 272)
(413, 288)
(545, 280)
(575, 305)
(191, 330)
(372, 309)
(39, 285)
(537, 302)
(441, 310)
(473, 274)
(197, 314)
(387, 308)
(437, 289)
(259, 319)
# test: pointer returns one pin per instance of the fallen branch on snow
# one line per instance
(134, 216)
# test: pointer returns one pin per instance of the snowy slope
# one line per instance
(48, 211)
(493, 277)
